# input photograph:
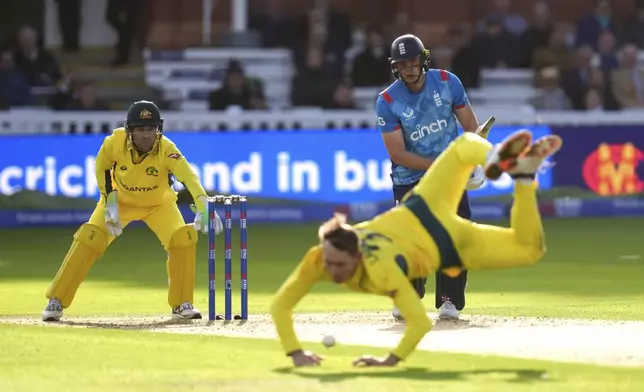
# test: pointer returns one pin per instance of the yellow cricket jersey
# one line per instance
(395, 248)
(143, 180)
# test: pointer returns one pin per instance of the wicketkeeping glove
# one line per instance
(112, 222)
(477, 178)
(200, 208)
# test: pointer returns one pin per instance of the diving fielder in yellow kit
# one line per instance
(380, 256)
(134, 170)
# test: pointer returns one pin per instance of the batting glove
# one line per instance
(112, 222)
(200, 208)
(477, 178)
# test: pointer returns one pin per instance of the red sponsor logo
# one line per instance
(612, 169)
(174, 155)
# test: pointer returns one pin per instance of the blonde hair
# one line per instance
(337, 221)
(339, 233)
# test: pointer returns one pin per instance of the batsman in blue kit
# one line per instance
(417, 118)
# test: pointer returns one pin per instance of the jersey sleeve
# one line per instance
(179, 166)
(388, 270)
(459, 96)
(104, 163)
(299, 283)
(387, 120)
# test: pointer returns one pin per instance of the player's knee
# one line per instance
(92, 236)
(184, 237)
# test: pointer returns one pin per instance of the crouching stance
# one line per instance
(382, 255)
(135, 167)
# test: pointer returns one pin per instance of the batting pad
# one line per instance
(182, 254)
(89, 244)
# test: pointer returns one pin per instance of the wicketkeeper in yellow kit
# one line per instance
(134, 170)
(380, 256)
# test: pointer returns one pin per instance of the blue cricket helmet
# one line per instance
(408, 47)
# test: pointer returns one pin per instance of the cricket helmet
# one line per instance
(144, 114)
(408, 47)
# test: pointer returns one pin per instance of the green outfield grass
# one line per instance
(54, 359)
(593, 270)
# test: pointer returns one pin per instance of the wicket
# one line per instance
(243, 257)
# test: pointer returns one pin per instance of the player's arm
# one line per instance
(179, 166)
(391, 131)
(391, 276)
(417, 323)
(461, 104)
(104, 164)
(298, 284)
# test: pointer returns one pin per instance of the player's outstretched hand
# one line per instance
(112, 222)
(306, 358)
(368, 360)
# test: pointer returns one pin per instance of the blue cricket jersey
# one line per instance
(427, 118)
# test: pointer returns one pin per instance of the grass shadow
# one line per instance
(127, 324)
(439, 325)
(412, 373)
(133, 324)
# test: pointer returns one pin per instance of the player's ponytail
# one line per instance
(339, 234)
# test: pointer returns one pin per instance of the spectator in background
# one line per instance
(69, 23)
(36, 63)
(575, 81)
(549, 95)
(123, 16)
(342, 98)
(606, 51)
(557, 53)
(312, 82)
(14, 88)
(537, 35)
(633, 31)
(77, 95)
(400, 26)
(513, 23)
(593, 101)
(592, 25)
(328, 29)
(371, 68)
(267, 18)
(495, 46)
(628, 79)
(600, 82)
(237, 90)
(464, 62)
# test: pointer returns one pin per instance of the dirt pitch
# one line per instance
(583, 341)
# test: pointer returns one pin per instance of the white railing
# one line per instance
(43, 121)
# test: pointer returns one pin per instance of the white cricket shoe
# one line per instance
(186, 311)
(53, 311)
(533, 159)
(448, 311)
(504, 156)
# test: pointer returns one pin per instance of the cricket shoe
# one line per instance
(53, 311)
(186, 311)
(448, 311)
(504, 156)
(533, 159)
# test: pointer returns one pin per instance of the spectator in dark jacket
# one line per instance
(14, 88)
